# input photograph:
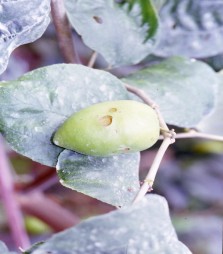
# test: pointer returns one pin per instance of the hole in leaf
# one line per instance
(98, 19)
(174, 26)
(105, 120)
(113, 110)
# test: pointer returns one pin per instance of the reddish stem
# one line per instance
(41, 182)
(12, 208)
(63, 31)
(42, 207)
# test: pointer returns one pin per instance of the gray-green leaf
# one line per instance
(191, 28)
(184, 89)
(113, 31)
(33, 107)
(143, 228)
(21, 22)
(148, 14)
(213, 123)
(113, 180)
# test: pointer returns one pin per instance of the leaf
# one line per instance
(33, 107)
(32, 248)
(21, 22)
(216, 62)
(113, 180)
(158, 4)
(191, 28)
(148, 13)
(213, 124)
(4, 249)
(113, 31)
(183, 89)
(149, 17)
(143, 228)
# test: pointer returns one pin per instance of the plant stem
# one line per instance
(42, 207)
(196, 134)
(15, 218)
(169, 138)
(41, 183)
(148, 182)
(63, 31)
(142, 95)
(92, 59)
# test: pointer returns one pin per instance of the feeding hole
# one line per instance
(126, 149)
(98, 19)
(105, 120)
(174, 26)
(113, 110)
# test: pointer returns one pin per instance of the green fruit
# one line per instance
(110, 128)
(35, 226)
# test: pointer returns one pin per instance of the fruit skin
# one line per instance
(110, 128)
(35, 226)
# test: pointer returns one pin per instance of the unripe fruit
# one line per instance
(35, 226)
(110, 128)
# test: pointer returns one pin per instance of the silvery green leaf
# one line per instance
(158, 4)
(148, 15)
(216, 62)
(114, 31)
(213, 123)
(143, 228)
(21, 22)
(191, 28)
(35, 105)
(113, 180)
(183, 89)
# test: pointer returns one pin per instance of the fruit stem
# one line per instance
(92, 59)
(148, 182)
(142, 95)
(196, 134)
(168, 136)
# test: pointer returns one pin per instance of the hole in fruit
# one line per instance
(105, 120)
(112, 110)
(126, 149)
(98, 19)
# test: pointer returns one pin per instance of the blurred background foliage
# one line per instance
(191, 174)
